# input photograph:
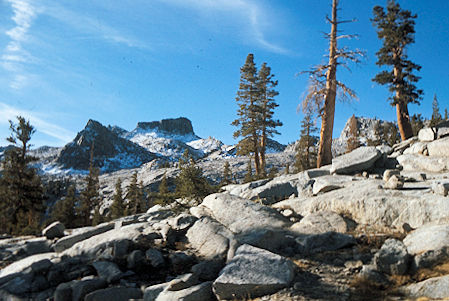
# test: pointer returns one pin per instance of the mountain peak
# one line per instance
(110, 151)
(173, 126)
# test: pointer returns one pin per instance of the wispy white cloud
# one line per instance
(9, 113)
(91, 26)
(14, 56)
(250, 12)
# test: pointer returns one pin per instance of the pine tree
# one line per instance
(305, 154)
(143, 206)
(227, 175)
(266, 85)
(64, 209)
(249, 173)
(417, 123)
(163, 196)
(21, 191)
(248, 113)
(436, 115)
(97, 218)
(323, 85)
(377, 139)
(353, 141)
(446, 117)
(396, 27)
(273, 172)
(391, 134)
(190, 182)
(90, 196)
(118, 205)
(134, 195)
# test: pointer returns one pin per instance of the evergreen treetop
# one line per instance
(436, 115)
(118, 205)
(21, 191)
(396, 28)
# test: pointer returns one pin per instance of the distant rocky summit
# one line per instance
(368, 130)
(177, 126)
(110, 152)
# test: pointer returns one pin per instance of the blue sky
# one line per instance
(121, 62)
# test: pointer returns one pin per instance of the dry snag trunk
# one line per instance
(327, 117)
(323, 86)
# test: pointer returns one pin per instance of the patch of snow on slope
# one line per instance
(207, 145)
(171, 146)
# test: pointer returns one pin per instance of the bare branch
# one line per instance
(345, 93)
(346, 21)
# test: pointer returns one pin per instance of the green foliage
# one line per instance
(164, 196)
(266, 85)
(21, 191)
(97, 218)
(273, 172)
(353, 141)
(305, 150)
(256, 102)
(190, 182)
(378, 132)
(136, 197)
(436, 115)
(417, 123)
(118, 205)
(64, 209)
(391, 134)
(227, 175)
(249, 173)
(90, 196)
(396, 28)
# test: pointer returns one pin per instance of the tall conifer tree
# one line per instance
(267, 103)
(248, 112)
(305, 150)
(255, 121)
(64, 209)
(118, 205)
(396, 28)
(90, 196)
(134, 196)
(436, 115)
(21, 191)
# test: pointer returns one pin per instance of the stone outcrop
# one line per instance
(392, 258)
(54, 230)
(433, 288)
(253, 272)
(320, 222)
(360, 159)
(241, 215)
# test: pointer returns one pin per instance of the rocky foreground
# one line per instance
(372, 226)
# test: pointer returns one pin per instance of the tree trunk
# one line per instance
(256, 154)
(405, 128)
(327, 117)
(263, 146)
